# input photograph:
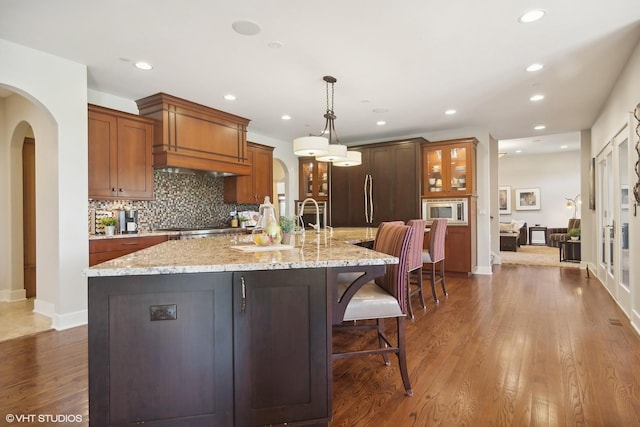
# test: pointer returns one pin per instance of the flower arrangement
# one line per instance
(287, 224)
(574, 233)
(108, 221)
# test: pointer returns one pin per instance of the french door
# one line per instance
(605, 218)
(613, 218)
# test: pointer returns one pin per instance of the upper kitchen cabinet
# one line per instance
(120, 161)
(449, 168)
(193, 136)
(252, 188)
(385, 187)
(314, 179)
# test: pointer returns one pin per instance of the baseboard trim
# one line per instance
(70, 320)
(10, 295)
(483, 270)
(60, 321)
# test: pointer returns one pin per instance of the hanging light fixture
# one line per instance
(354, 158)
(325, 149)
(310, 146)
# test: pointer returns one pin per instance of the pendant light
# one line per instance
(333, 151)
(354, 158)
(310, 146)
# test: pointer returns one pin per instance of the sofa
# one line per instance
(513, 235)
(557, 235)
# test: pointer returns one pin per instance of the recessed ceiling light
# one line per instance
(532, 16)
(141, 65)
(286, 117)
(563, 146)
(381, 123)
(275, 45)
(539, 127)
(518, 151)
(537, 97)
(246, 28)
(230, 97)
(534, 67)
(450, 112)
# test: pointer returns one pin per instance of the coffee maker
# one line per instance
(128, 221)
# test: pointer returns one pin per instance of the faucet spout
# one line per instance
(315, 226)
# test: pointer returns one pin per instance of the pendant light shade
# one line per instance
(310, 146)
(325, 149)
(354, 158)
(337, 152)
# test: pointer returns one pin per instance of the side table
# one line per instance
(538, 228)
(570, 251)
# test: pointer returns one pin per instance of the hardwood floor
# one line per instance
(528, 346)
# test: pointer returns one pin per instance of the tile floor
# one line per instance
(18, 319)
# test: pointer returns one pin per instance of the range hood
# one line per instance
(190, 137)
(187, 171)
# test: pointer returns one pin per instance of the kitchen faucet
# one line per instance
(315, 226)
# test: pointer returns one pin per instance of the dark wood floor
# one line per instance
(528, 346)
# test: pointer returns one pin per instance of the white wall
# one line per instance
(556, 175)
(624, 97)
(54, 102)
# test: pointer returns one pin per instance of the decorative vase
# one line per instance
(268, 231)
(287, 238)
(110, 230)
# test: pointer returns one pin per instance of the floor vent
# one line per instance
(615, 322)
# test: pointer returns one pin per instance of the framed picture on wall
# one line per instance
(504, 200)
(527, 199)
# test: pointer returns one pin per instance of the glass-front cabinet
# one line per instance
(449, 168)
(314, 179)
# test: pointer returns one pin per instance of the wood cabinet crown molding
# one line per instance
(194, 136)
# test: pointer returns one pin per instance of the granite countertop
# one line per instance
(333, 248)
(133, 235)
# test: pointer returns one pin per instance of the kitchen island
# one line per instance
(217, 332)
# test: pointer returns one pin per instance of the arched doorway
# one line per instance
(281, 192)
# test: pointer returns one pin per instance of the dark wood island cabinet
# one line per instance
(209, 349)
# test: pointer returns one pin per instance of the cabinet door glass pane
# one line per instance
(307, 179)
(434, 170)
(623, 225)
(458, 169)
(323, 179)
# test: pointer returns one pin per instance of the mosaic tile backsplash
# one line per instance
(181, 200)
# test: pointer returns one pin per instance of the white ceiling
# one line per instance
(413, 59)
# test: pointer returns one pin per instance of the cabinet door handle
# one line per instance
(371, 199)
(366, 199)
(243, 307)
(120, 190)
(131, 244)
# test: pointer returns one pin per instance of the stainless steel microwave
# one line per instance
(455, 211)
